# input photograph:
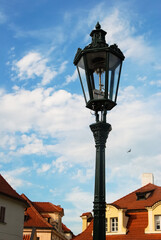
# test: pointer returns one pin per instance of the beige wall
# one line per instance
(42, 234)
(12, 229)
(58, 218)
(152, 212)
(84, 223)
(113, 212)
(45, 234)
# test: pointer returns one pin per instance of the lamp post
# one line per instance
(99, 69)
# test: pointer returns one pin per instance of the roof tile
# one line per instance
(47, 207)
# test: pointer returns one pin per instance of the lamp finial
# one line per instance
(98, 26)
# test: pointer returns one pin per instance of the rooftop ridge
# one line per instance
(40, 205)
(134, 192)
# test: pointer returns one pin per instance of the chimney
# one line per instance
(86, 219)
(147, 178)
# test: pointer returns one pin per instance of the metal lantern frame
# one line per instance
(107, 58)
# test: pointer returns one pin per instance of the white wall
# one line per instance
(12, 229)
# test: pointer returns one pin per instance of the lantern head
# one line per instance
(99, 69)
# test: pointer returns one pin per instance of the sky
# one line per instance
(47, 150)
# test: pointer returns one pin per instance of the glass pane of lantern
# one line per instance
(96, 65)
(82, 76)
(114, 70)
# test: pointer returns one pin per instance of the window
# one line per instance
(157, 222)
(114, 224)
(2, 214)
(144, 195)
(26, 217)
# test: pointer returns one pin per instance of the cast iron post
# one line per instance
(100, 131)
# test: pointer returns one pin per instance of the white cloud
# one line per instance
(82, 202)
(13, 177)
(136, 126)
(61, 164)
(56, 192)
(8, 141)
(63, 67)
(71, 78)
(156, 83)
(35, 65)
(72, 220)
(44, 168)
(121, 31)
(61, 115)
(84, 176)
(36, 147)
(46, 111)
(141, 78)
(30, 119)
(80, 199)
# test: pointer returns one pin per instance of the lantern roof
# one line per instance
(98, 44)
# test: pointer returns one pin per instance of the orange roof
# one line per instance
(26, 237)
(34, 217)
(130, 201)
(7, 190)
(65, 229)
(137, 213)
(47, 207)
(86, 214)
(136, 225)
(86, 234)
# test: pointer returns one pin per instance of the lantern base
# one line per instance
(100, 104)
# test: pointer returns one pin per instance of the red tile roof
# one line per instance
(86, 234)
(137, 213)
(136, 225)
(130, 201)
(26, 237)
(34, 217)
(65, 229)
(86, 214)
(7, 190)
(47, 207)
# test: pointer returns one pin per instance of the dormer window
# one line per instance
(144, 195)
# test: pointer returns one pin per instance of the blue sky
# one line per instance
(47, 149)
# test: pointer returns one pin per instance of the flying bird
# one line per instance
(129, 150)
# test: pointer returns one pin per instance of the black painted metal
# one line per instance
(97, 57)
(100, 131)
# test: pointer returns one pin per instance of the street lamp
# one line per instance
(99, 69)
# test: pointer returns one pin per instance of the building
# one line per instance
(136, 216)
(12, 207)
(46, 219)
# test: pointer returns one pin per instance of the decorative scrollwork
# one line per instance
(100, 132)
